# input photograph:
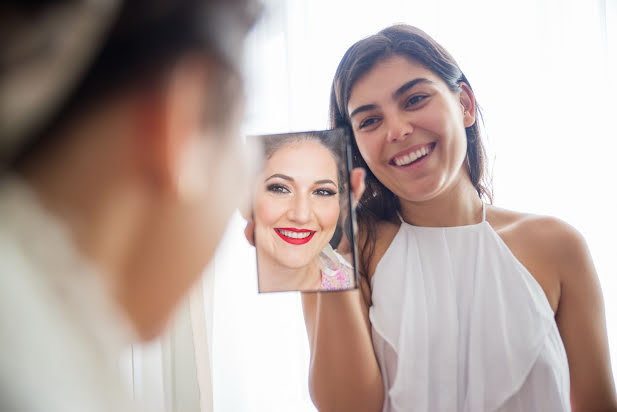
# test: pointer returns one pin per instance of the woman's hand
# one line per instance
(356, 177)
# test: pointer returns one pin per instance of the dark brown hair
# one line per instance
(144, 39)
(378, 203)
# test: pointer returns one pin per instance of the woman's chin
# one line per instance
(417, 196)
(295, 264)
(424, 192)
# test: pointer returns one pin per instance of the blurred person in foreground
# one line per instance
(118, 149)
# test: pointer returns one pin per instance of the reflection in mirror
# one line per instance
(302, 216)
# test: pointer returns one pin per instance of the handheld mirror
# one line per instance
(304, 224)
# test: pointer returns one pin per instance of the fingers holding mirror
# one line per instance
(356, 178)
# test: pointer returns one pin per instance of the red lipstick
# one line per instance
(305, 235)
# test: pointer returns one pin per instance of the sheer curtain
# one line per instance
(543, 72)
(173, 373)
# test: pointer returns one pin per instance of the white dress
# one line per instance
(60, 331)
(459, 324)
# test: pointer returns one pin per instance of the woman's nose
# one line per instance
(399, 127)
(301, 210)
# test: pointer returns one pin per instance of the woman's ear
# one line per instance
(468, 103)
(170, 126)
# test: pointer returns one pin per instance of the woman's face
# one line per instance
(189, 210)
(177, 246)
(410, 128)
(296, 204)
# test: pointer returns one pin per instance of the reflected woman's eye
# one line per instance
(277, 188)
(413, 100)
(324, 192)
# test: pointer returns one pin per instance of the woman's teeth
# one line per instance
(294, 235)
(412, 157)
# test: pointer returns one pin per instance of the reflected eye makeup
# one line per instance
(325, 192)
(277, 188)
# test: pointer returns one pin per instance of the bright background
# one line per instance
(544, 73)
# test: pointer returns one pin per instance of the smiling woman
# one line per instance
(299, 204)
(466, 306)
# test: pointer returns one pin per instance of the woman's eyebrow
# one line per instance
(408, 86)
(395, 95)
(281, 176)
(361, 109)
(324, 181)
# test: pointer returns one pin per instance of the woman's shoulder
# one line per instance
(539, 230)
(546, 245)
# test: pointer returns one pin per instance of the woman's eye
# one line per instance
(413, 100)
(368, 122)
(324, 192)
(276, 188)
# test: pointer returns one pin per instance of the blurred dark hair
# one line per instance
(378, 203)
(145, 39)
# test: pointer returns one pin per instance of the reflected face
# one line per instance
(297, 204)
(409, 127)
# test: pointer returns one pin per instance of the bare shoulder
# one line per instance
(550, 236)
(557, 255)
(552, 250)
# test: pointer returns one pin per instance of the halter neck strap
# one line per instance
(398, 213)
(483, 212)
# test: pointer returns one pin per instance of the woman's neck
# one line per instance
(275, 278)
(459, 205)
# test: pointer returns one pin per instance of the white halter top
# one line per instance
(459, 324)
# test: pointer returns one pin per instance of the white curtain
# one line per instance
(173, 373)
(544, 71)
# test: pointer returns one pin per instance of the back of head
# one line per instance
(58, 56)
(117, 111)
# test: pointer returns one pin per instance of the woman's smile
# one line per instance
(414, 156)
(295, 236)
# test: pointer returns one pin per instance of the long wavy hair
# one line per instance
(378, 203)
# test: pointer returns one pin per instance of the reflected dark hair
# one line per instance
(378, 203)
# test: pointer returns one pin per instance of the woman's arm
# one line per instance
(344, 374)
(581, 321)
